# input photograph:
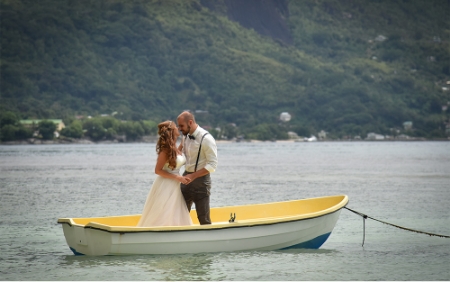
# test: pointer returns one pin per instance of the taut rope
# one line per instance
(364, 216)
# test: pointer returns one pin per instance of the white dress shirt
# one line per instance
(208, 154)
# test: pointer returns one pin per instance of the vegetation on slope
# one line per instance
(149, 60)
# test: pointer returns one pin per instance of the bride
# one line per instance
(165, 205)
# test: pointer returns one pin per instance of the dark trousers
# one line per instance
(197, 192)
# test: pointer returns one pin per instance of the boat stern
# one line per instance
(83, 241)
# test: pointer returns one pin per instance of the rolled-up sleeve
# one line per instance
(210, 151)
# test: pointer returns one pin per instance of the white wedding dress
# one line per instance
(165, 204)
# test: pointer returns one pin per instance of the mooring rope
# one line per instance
(364, 216)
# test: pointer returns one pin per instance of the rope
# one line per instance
(364, 216)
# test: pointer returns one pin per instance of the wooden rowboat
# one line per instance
(305, 223)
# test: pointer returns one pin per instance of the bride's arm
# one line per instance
(160, 162)
(180, 147)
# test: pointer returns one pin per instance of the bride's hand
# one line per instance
(184, 180)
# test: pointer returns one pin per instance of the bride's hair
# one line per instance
(166, 142)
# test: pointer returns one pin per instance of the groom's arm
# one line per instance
(197, 174)
(210, 151)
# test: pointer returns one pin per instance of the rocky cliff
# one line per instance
(267, 17)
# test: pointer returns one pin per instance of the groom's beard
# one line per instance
(189, 130)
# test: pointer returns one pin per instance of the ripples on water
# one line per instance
(405, 183)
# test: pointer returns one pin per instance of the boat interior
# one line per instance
(246, 214)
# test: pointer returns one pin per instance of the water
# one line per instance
(405, 183)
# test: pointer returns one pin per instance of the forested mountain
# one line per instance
(347, 67)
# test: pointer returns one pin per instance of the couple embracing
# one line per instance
(171, 197)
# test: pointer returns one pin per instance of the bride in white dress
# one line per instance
(165, 204)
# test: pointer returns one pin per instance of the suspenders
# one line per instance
(199, 149)
(198, 156)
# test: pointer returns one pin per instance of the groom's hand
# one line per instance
(190, 177)
(188, 180)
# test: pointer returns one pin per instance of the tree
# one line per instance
(301, 130)
(8, 132)
(11, 129)
(74, 130)
(94, 129)
(268, 131)
(46, 129)
(8, 118)
(23, 132)
(150, 127)
(228, 131)
(133, 130)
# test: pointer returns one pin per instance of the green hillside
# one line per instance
(149, 60)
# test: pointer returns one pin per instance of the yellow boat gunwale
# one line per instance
(215, 225)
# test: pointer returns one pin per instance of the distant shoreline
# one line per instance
(88, 142)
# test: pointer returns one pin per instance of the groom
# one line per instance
(200, 150)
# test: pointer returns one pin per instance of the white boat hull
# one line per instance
(229, 237)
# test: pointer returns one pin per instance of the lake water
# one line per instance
(404, 183)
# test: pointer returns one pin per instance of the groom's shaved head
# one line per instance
(186, 116)
(186, 123)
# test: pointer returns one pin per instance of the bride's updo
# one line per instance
(167, 142)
